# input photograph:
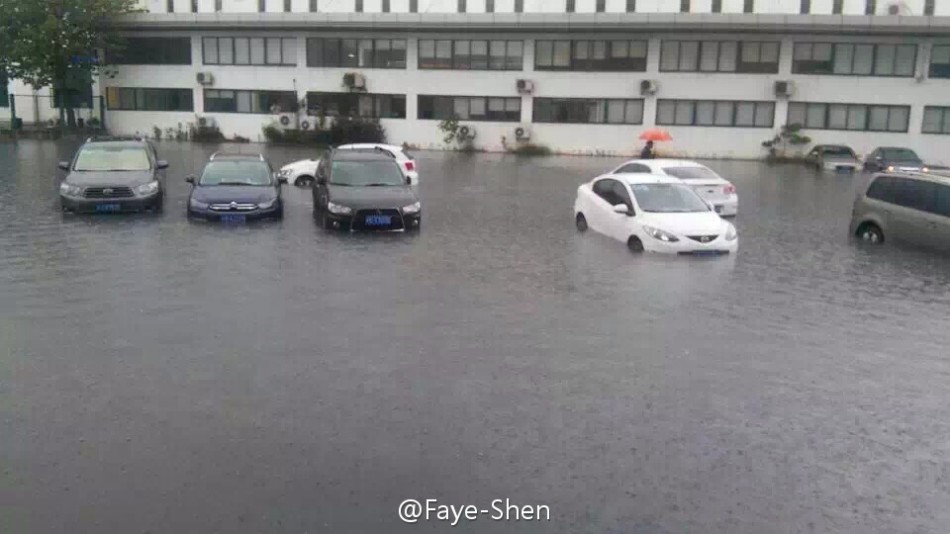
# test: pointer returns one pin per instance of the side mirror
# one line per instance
(408, 180)
(161, 164)
(623, 209)
(64, 165)
(281, 180)
(191, 179)
(321, 180)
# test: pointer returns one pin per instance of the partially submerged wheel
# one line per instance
(634, 244)
(304, 181)
(870, 233)
(581, 222)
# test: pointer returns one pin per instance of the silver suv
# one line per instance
(910, 207)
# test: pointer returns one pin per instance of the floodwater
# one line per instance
(160, 376)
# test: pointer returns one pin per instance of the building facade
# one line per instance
(579, 76)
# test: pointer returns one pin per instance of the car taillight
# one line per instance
(410, 166)
(729, 189)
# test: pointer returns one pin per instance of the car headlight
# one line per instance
(284, 173)
(338, 209)
(890, 168)
(197, 204)
(924, 169)
(661, 235)
(412, 208)
(147, 189)
(266, 205)
(70, 190)
(731, 233)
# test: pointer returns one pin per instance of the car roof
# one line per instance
(665, 161)
(361, 155)
(642, 178)
(833, 146)
(223, 156)
(118, 143)
(940, 176)
(892, 148)
(370, 146)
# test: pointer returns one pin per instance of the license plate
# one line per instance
(108, 208)
(843, 169)
(378, 220)
(706, 253)
(233, 218)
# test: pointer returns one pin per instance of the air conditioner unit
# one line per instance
(354, 80)
(784, 88)
(525, 87)
(206, 122)
(898, 8)
(466, 132)
(205, 78)
(522, 132)
(649, 87)
(286, 120)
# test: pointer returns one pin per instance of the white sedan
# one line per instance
(304, 172)
(713, 188)
(652, 213)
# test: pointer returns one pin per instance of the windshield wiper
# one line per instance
(378, 185)
(235, 183)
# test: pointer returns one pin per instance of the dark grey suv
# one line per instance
(109, 175)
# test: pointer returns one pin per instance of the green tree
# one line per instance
(56, 43)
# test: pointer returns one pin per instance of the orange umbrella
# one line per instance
(656, 134)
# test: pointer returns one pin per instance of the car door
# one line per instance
(941, 217)
(620, 224)
(320, 191)
(602, 205)
(871, 162)
(909, 219)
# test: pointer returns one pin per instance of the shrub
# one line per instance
(157, 133)
(343, 130)
(790, 134)
(530, 149)
(240, 139)
(206, 134)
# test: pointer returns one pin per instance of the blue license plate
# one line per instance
(706, 253)
(233, 218)
(108, 208)
(379, 220)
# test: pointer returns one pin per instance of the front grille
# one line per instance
(108, 192)
(359, 219)
(234, 206)
(703, 238)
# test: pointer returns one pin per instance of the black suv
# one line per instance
(364, 189)
(112, 175)
(236, 188)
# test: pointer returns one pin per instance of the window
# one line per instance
(717, 6)
(870, 7)
(805, 8)
(855, 59)
(194, 6)
(249, 51)
(613, 192)
(152, 51)
(364, 53)
(631, 6)
(719, 113)
(940, 62)
(359, 6)
(684, 6)
(837, 7)
(413, 6)
(478, 108)
(519, 6)
(471, 55)
(170, 6)
(363, 105)
(601, 6)
(260, 102)
(748, 6)
(217, 6)
(313, 6)
(570, 6)
(719, 56)
(936, 120)
(489, 6)
(942, 201)
(287, 7)
(605, 56)
(856, 117)
(462, 7)
(929, 7)
(261, 6)
(139, 99)
(588, 111)
(386, 7)
(914, 194)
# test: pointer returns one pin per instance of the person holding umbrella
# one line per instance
(650, 136)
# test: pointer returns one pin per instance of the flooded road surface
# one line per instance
(162, 376)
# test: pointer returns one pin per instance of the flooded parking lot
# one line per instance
(158, 375)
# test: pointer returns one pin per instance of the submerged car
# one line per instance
(908, 207)
(304, 172)
(109, 175)
(894, 159)
(653, 213)
(364, 190)
(236, 188)
(834, 158)
(716, 190)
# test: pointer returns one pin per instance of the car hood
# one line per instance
(839, 159)
(105, 178)
(904, 162)
(301, 165)
(683, 224)
(372, 197)
(222, 194)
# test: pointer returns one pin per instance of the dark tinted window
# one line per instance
(620, 193)
(634, 168)
(942, 202)
(236, 172)
(152, 51)
(914, 194)
(607, 190)
(899, 154)
(882, 189)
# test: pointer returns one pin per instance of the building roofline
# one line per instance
(543, 22)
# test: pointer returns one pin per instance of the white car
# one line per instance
(304, 172)
(713, 188)
(654, 213)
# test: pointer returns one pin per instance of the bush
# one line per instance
(530, 149)
(343, 130)
(206, 134)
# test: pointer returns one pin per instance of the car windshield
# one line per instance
(112, 158)
(900, 154)
(838, 151)
(236, 172)
(667, 198)
(691, 173)
(366, 173)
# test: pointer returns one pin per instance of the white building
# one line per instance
(598, 72)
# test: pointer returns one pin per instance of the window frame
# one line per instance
(733, 123)
(849, 106)
(573, 61)
(703, 44)
(454, 64)
(150, 43)
(603, 103)
(329, 60)
(932, 68)
(250, 55)
(796, 69)
(114, 94)
(944, 120)
(323, 96)
(486, 105)
(252, 94)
